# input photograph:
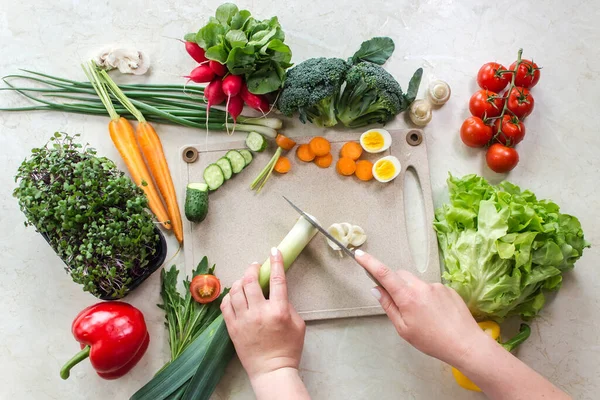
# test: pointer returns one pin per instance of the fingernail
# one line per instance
(359, 253)
(376, 293)
(256, 263)
(274, 251)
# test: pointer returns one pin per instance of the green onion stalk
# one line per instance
(161, 103)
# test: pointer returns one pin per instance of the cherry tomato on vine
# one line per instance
(528, 74)
(205, 288)
(520, 102)
(513, 130)
(501, 159)
(491, 77)
(485, 103)
(475, 133)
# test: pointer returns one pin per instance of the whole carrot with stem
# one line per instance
(121, 133)
(152, 149)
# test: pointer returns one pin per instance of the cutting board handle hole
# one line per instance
(414, 217)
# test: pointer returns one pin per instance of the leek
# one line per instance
(195, 373)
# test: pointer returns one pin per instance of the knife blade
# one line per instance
(329, 236)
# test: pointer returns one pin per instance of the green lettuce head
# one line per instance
(502, 248)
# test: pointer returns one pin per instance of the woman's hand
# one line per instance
(268, 335)
(431, 317)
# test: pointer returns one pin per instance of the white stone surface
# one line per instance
(343, 359)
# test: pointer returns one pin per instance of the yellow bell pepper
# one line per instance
(493, 330)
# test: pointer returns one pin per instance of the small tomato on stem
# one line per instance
(475, 133)
(527, 75)
(493, 76)
(509, 130)
(501, 159)
(485, 104)
(520, 102)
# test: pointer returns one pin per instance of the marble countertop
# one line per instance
(359, 358)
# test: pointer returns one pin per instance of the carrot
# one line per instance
(284, 142)
(304, 153)
(121, 133)
(283, 165)
(152, 150)
(364, 170)
(324, 161)
(320, 146)
(352, 150)
(345, 166)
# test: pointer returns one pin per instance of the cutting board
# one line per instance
(242, 226)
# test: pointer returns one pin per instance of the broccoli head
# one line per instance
(372, 95)
(311, 88)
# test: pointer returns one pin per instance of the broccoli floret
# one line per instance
(372, 95)
(311, 88)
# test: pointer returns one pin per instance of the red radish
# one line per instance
(201, 74)
(218, 68)
(195, 51)
(258, 102)
(213, 93)
(232, 84)
(235, 106)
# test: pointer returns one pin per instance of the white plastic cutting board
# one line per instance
(242, 225)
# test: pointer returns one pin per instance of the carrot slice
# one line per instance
(283, 165)
(284, 142)
(346, 166)
(304, 153)
(320, 146)
(324, 161)
(364, 170)
(351, 150)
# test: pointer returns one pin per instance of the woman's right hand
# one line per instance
(431, 317)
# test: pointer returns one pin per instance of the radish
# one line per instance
(195, 51)
(213, 93)
(257, 102)
(218, 68)
(235, 106)
(201, 74)
(232, 84)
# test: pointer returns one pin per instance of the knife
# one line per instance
(330, 237)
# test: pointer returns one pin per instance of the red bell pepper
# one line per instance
(113, 335)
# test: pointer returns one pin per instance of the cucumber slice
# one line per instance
(247, 156)
(196, 202)
(238, 163)
(225, 165)
(213, 176)
(256, 142)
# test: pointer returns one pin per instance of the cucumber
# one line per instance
(213, 176)
(256, 142)
(225, 165)
(247, 156)
(238, 163)
(196, 202)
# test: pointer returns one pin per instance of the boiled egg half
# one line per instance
(375, 140)
(386, 168)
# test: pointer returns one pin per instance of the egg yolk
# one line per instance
(373, 140)
(385, 169)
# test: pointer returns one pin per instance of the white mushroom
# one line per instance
(128, 61)
(420, 112)
(438, 93)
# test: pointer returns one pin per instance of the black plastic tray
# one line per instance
(153, 265)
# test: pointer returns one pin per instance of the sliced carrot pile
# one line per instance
(284, 142)
(304, 153)
(283, 165)
(364, 170)
(345, 166)
(319, 146)
(324, 161)
(351, 150)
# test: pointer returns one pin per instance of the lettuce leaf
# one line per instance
(502, 248)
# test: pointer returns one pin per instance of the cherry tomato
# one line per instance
(520, 102)
(491, 78)
(528, 74)
(475, 133)
(513, 130)
(205, 288)
(501, 159)
(485, 103)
